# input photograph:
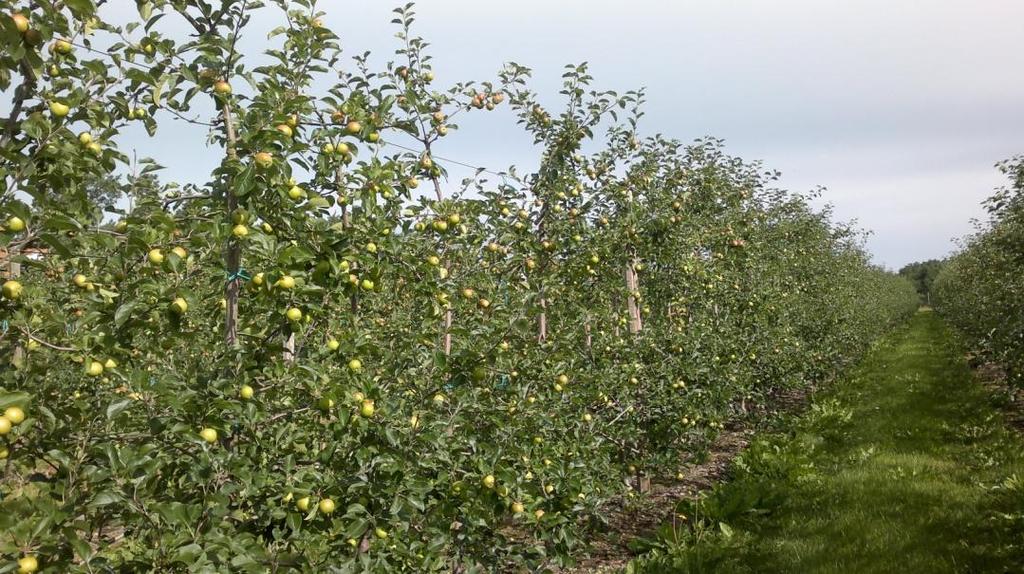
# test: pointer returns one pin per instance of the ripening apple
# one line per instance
(294, 314)
(246, 392)
(222, 88)
(27, 564)
(286, 282)
(426, 162)
(355, 365)
(5, 426)
(15, 415)
(302, 504)
(518, 508)
(333, 344)
(326, 506)
(239, 231)
(20, 22)
(94, 369)
(62, 47)
(285, 129)
(180, 252)
(367, 408)
(353, 127)
(58, 109)
(179, 306)
(11, 289)
(488, 481)
(209, 435)
(110, 364)
(155, 256)
(264, 159)
(563, 379)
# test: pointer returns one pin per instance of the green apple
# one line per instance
(27, 564)
(303, 504)
(155, 256)
(222, 88)
(246, 392)
(294, 314)
(179, 306)
(15, 415)
(11, 289)
(209, 435)
(367, 408)
(355, 365)
(326, 506)
(59, 109)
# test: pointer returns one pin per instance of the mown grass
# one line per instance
(906, 466)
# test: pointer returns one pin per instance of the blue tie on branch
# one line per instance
(240, 274)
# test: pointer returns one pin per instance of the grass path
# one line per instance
(903, 467)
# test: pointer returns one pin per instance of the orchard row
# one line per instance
(328, 358)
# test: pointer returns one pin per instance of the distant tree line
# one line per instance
(922, 274)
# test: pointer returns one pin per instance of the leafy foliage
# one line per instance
(979, 288)
(306, 364)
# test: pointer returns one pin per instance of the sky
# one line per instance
(899, 108)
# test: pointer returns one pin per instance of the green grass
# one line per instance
(906, 466)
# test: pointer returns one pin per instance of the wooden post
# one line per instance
(233, 257)
(632, 286)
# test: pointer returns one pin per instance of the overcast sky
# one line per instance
(899, 108)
